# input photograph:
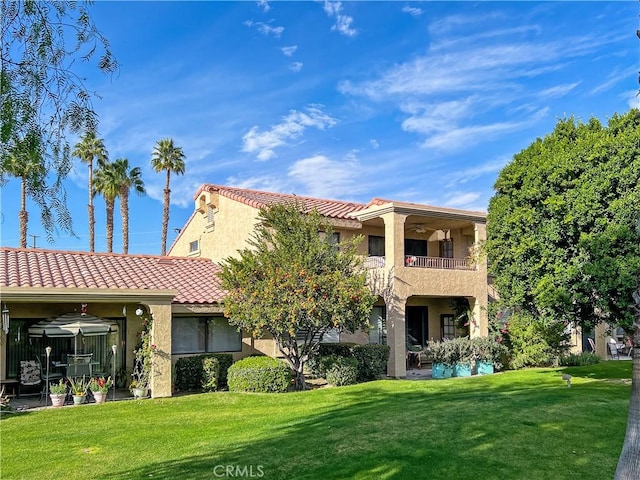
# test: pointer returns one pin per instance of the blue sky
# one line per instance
(415, 101)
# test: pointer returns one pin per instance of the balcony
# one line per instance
(423, 262)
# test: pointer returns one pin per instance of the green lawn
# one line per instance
(514, 425)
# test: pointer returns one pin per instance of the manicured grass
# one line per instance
(514, 425)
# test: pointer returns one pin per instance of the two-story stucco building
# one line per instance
(419, 257)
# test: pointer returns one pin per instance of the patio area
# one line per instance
(35, 402)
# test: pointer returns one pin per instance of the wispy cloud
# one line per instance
(374, 143)
(265, 28)
(289, 51)
(326, 178)
(264, 4)
(413, 11)
(460, 177)
(465, 200)
(292, 127)
(296, 66)
(615, 77)
(558, 90)
(343, 22)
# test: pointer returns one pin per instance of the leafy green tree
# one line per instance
(562, 240)
(42, 93)
(295, 284)
(129, 179)
(107, 183)
(25, 162)
(167, 157)
(90, 147)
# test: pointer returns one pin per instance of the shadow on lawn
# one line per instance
(416, 432)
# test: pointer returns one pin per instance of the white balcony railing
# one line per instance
(438, 262)
(423, 262)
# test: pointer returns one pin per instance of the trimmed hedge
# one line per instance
(371, 359)
(342, 371)
(259, 374)
(206, 372)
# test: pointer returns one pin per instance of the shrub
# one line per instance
(535, 342)
(440, 352)
(579, 359)
(487, 349)
(340, 349)
(461, 350)
(343, 371)
(193, 375)
(372, 360)
(259, 374)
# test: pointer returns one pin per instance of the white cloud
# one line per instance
(267, 183)
(325, 178)
(464, 200)
(264, 4)
(289, 51)
(460, 177)
(633, 98)
(296, 66)
(413, 11)
(292, 127)
(265, 28)
(374, 143)
(343, 22)
(615, 77)
(558, 90)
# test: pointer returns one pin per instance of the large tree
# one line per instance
(296, 284)
(89, 148)
(129, 179)
(167, 157)
(42, 93)
(108, 183)
(562, 239)
(24, 161)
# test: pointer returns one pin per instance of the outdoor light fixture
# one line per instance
(46, 398)
(139, 311)
(114, 349)
(5, 319)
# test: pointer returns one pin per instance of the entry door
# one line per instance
(417, 320)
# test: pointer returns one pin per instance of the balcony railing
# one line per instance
(423, 262)
(438, 262)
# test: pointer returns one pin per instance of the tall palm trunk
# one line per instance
(23, 215)
(629, 461)
(110, 205)
(165, 213)
(92, 221)
(124, 212)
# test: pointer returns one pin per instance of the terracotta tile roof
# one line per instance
(254, 198)
(381, 201)
(195, 279)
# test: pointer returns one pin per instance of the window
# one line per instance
(448, 326)
(194, 246)
(376, 246)
(446, 248)
(335, 237)
(415, 247)
(204, 334)
(211, 213)
(378, 326)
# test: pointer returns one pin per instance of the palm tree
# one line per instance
(129, 179)
(25, 161)
(90, 147)
(107, 183)
(166, 156)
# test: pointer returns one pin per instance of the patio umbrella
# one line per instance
(72, 325)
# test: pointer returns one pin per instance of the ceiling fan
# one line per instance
(419, 228)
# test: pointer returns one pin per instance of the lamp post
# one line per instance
(46, 398)
(114, 349)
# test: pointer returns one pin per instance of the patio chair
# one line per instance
(29, 377)
(592, 344)
(613, 351)
(79, 365)
(53, 377)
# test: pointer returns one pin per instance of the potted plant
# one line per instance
(78, 388)
(487, 354)
(100, 386)
(58, 393)
(440, 353)
(462, 356)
